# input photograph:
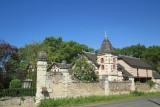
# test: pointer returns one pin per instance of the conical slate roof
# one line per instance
(106, 47)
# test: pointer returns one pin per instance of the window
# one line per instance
(114, 60)
(102, 67)
(114, 67)
(102, 60)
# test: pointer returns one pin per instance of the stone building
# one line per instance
(119, 67)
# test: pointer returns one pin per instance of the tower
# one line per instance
(107, 60)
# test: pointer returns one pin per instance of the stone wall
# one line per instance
(18, 101)
(63, 86)
(75, 89)
(85, 89)
(123, 87)
(142, 87)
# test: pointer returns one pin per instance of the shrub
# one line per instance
(15, 84)
(151, 83)
(137, 93)
(84, 71)
(16, 92)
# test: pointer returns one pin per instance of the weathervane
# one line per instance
(105, 33)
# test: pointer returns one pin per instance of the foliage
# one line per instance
(15, 83)
(134, 50)
(56, 49)
(84, 71)
(9, 63)
(137, 93)
(151, 83)
(29, 53)
(16, 92)
(152, 56)
(92, 99)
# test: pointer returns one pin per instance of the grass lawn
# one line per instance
(94, 99)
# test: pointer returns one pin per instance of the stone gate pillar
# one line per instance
(41, 75)
(132, 84)
(106, 86)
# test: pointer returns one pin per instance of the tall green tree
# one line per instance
(152, 56)
(29, 53)
(134, 50)
(9, 62)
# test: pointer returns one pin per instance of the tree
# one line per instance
(58, 50)
(84, 71)
(29, 53)
(69, 51)
(152, 56)
(9, 62)
(134, 50)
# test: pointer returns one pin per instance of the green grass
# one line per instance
(94, 99)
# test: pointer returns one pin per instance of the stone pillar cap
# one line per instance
(42, 56)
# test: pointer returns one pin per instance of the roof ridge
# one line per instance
(129, 56)
(89, 52)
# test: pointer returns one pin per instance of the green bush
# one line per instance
(17, 92)
(15, 84)
(137, 93)
(84, 71)
(151, 83)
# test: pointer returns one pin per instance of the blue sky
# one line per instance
(127, 22)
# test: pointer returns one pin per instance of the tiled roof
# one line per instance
(106, 47)
(156, 75)
(92, 57)
(124, 72)
(134, 62)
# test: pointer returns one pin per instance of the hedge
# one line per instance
(16, 92)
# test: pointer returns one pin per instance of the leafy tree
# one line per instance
(51, 46)
(15, 84)
(152, 56)
(69, 51)
(29, 53)
(84, 70)
(134, 50)
(9, 62)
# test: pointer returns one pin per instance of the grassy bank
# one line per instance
(94, 99)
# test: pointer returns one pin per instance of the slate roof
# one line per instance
(61, 65)
(156, 75)
(134, 62)
(106, 47)
(92, 57)
(124, 72)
